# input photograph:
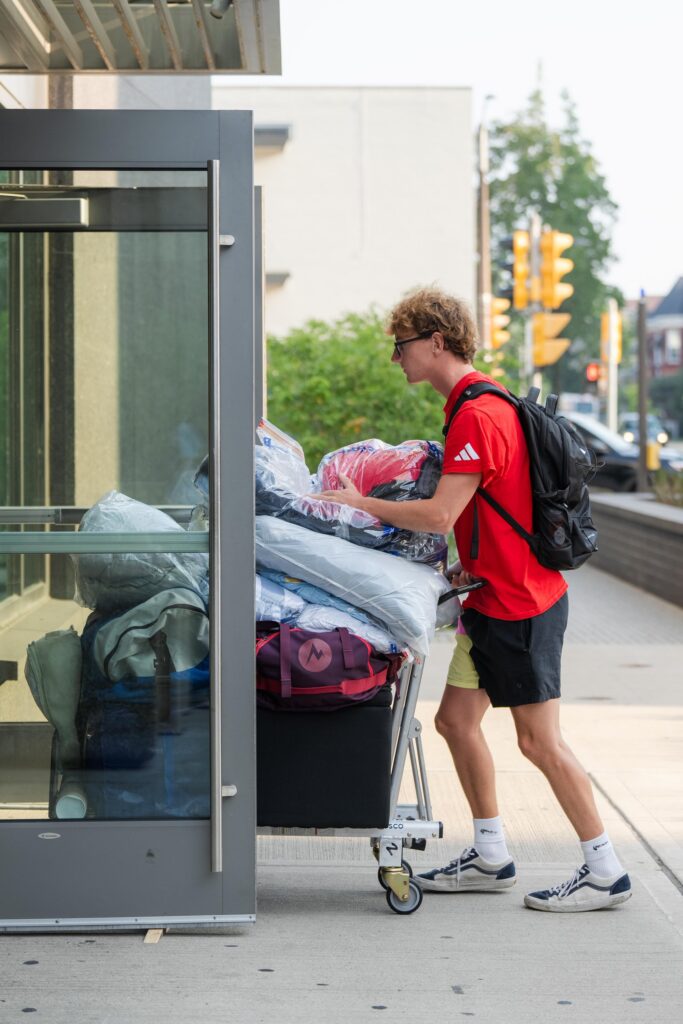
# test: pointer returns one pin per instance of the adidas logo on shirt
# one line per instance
(466, 454)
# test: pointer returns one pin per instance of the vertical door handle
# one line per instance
(214, 241)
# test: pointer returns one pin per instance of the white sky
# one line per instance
(620, 61)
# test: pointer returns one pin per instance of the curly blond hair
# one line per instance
(427, 309)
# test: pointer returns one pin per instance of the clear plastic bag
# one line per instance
(118, 580)
(314, 595)
(394, 472)
(274, 603)
(403, 596)
(284, 488)
(319, 618)
(404, 472)
(270, 436)
(321, 611)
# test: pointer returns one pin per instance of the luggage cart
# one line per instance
(409, 826)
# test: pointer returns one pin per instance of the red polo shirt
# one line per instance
(486, 437)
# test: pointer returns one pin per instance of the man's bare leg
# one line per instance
(540, 740)
(487, 865)
(458, 720)
(601, 881)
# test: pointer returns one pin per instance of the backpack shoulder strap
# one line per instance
(474, 391)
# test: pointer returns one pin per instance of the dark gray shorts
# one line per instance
(518, 662)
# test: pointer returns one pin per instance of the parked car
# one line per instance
(617, 458)
(630, 428)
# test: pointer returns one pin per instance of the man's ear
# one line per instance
(438, 342)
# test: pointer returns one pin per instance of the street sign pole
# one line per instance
(534, 378)
(612, 372)
(484, 274)
(642, 395)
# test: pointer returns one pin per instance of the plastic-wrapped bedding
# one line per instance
(399, 472)
(116, 580)
(313, 595)
(274, 603)
(277, 603)
(402, 595)
(320, 618)
(284, 486)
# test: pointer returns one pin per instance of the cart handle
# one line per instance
(465, 589)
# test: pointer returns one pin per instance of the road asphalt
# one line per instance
(325, 946)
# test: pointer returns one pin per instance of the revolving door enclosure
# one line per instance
(127, 791)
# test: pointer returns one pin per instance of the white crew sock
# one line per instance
(600, 857)
(489, 840)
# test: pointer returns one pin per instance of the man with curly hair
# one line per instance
(509, 642)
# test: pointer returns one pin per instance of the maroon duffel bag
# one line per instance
(298, 670)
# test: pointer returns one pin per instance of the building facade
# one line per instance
(368, 192)
(665, 333)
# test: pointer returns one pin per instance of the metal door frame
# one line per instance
(95, 875)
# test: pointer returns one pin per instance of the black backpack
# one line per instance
(560, 467)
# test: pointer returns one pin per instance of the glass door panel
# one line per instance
(126, 355)
(104, 629)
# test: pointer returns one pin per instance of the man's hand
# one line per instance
(457, 575)
(424, 515)
(347, 494)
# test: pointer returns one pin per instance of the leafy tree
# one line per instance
(330, 384)
(535, 167)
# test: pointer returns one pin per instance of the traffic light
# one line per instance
(553, 268)
(499, 322)
(610, 327)
(593, 373)
(520, 269)
(547, 348)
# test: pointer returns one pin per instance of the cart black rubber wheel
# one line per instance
(413, 902)
(380, 878)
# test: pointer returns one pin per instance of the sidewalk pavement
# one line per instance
(325, 945)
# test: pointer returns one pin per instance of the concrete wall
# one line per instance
(641, 541)
(371, 196)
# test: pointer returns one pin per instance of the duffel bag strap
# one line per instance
(347, 651)
(285, 661)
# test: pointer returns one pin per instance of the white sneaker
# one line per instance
(583, 891)
(471, 872)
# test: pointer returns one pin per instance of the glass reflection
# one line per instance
(104, 678)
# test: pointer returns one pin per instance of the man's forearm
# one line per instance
(423, 515)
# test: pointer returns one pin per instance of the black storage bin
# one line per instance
(325, 769)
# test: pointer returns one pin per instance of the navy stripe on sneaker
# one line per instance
(469, 871)
(583, 891)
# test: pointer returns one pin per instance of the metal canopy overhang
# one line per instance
(140, 36)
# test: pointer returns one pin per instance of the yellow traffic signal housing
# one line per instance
(606, 328)
(520, 269)
(554, 266)
(499, 322)
(547, 349)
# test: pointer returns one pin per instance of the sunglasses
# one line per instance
(406, 341)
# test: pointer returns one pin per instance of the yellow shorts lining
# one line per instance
(461, 671)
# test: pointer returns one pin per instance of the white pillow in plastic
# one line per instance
(321, 618)
(123, 579)
(402, 595)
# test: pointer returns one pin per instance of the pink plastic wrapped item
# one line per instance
(395, 472)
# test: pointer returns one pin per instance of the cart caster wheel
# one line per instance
(404, 865)
(413, 902)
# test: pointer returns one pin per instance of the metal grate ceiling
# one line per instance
(140, 36)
